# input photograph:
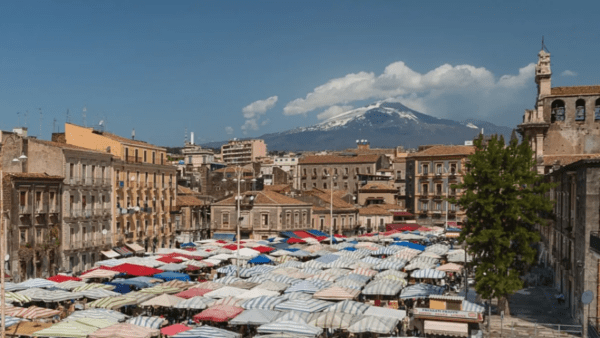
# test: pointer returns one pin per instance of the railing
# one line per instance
(575, 330)
(133, 159)
(53, 209)
(24, 209)
(87, 213)
(595, 241)
(74, 212)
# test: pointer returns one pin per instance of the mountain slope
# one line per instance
(384, 125)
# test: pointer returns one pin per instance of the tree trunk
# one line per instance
(503, 306)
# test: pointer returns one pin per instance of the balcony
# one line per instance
(437, 176)
(24, 209)
(595, 242)
(73, 180)
(438, 196)
(133, 159)
(53, 209)
(41, 209)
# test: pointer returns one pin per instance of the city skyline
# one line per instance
(237, 69)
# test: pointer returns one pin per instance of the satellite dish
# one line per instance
(587, 297)
(6, 258)
(104, 232)
(132, 178)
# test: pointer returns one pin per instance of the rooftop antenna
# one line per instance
(54, 126)
(19, 118)
(544, 45)
(40, 109)
(26, 113)
(83, 113)
(68, 117)
(133, 134)
(101, 125)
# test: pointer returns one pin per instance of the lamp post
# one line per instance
(238, 178)
(332, 177)
(3, 243)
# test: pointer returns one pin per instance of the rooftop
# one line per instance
(264, 198)
(334, 159)
(375, 186)
(575, 90)
(567, 159)
(66, 146)
(373, 210)
(189, 201)
(34, 176)
(445, 150)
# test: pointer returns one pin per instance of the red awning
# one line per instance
(402, 226)
(232, 247)
(295, 241)
(62, 278)
(174, 329)
(167, 259)
(263, 249)
(193, 292)
(135, 270)
(303, 234)
(402, 213)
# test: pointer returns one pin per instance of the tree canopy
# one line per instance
(502, 197)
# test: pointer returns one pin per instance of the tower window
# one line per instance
(558, 111)
(580, 110)
(597, 110)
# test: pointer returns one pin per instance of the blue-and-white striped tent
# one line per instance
(311, 271)
(472, 307)
(12, 287)
(383, 274)
(282, 278)
(290, 264)
(97, 314)
(355, 277)
(350, 284)
(227, 280)
(300, 253)
(36, 283)
(207, 332)
(349, 306)
(294, 316)
(327, 258)
(151, 322)
(262, 302)
(383, 287)
(390, 265)
(371, 260)
(308, 305)
(10, 321)
(428, 273)
(98, 293)
(382, 325)
(257, 279)
(384, 251)
(196, 303)
(421, 291)
(341, 263)
(304, 286)
(290, 327)
(313, 264)
(296, 295)
(227, 269)
(255, 317)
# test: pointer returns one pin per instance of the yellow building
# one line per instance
(144, 187)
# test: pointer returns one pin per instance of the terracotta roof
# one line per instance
(334, 159)
(278, 187)
(575, 90)
(373, 210)
(325, 196)
(377, 186)
(68, 146)
(445, 150)
(189, 201)
(566, 159)
(264, 198)
(34, 176)
(181, 190)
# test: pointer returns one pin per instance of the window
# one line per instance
(438, 189)
(83, 202)
(580, 110)
(162, 158)
(597, 110)
(93, 173)
(368, 170)
(288, 218)
(322, 222)
(71, 170)
(324, 185)
(425, 169)
(303, 171)
(558, 111)
(314, 185)
(438, 168)
(38, 199)
(51, 201)
(346, 171)
(145, 156)
(452, 168)
(425, 189)
(225, 219)
(325, 172)
(83, 172)
(264, 219)
(335, 171)
(351, 218)
(118, 227)
(296, 218)
(153, 157)
(346, 185)
(335, 222)
(304, 185)
(438, 206)
(126, 154)
(304, 218)
(136, 158)
(398, 174)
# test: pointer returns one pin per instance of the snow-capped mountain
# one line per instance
(383, 124)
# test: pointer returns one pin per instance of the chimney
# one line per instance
(192, 138)
(133, 134)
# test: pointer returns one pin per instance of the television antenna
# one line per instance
(68, 117)
(41, 119)
(83, 114)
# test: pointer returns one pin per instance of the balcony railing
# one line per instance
(133, 159)
(595, 241)
(24, 209)
(74, 180)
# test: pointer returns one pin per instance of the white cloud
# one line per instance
(229, 130)
(250, 124)
(444, 91)
(265, 122)
(259, 107)
(568, 73)
(333, 111)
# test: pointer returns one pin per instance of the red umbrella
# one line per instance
(295, 241)
(62, 278)
(221, 241)
(167, 259)
(174, 329)
(263, 249)
(192, 268)
(218, 313)
(232, 246)
(135, 270)
(193, 292)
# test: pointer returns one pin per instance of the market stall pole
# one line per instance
(238, 173)
(331, 208)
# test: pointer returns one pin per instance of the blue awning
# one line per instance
(120, 288)
(349, 248)
(410, 245)
(170, 275)
(259, 260)
(317, 233)
(290, 234)
(189, 244)
(224, 236)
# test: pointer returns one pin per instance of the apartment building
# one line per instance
(399, 174)
(326, 205)
(243, 151)
(193, 218)
(144, 186)
(338, 171)
(430, 173)
(263, 214)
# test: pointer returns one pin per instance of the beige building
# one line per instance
(345, 215)
(430, 173)
(377, 193)
(374, 218)
(144, 186)
(399, 174)
(563, 126)
(243, 151)
(263, 214)
(192, 220)
(315, 170)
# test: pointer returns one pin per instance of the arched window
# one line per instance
(580, 110)
(597, 110)
(558, 111)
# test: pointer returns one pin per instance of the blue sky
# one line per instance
(227, 69)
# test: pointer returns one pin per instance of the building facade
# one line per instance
(263, 214)
(192, 221)
(327, 204)
(243, 151)
(430, 173)
(317, 171)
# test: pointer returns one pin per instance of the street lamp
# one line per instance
(20, 159)
(238, 198)
(332, 177)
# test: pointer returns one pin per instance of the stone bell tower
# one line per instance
(543, 74)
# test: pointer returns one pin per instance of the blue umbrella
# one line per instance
(120, 288)
(349, 248)
(259, 260)
(186, 245)
(170, 275)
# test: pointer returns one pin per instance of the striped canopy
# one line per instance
(255, 317)
(257, 293)
(198, 303)
(113, 303)
(294, 316)
(383, 287)
(218, 313)
(227, 280)
(98, 293)
(372, 260)
(32, 312)
(79, 328)
(304, 305)
(163, 300)
(428, 274)
(224, 292)
(149, 322)
(243, 284)
(296, 295)
(364, 272)
(99, 273)
(450, 267)
(354, 277)
(421, 291)
(207, 332)
(382, 325)
(70, 285)
(263, 302)
(351, 284)
(16, 297)
(161, 288)
(337, 293)
(37, 283)
(391, 265)
(472, 307)
(304, 286)
(114, 316)
(349, 306)
(234, 301)
(227, 269)
(257, 279)
(124, 330)
(290, 327)
(90, 286)
(272, 286)
(332, 320)
(384, 274)
(378, 311)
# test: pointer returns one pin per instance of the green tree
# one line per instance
(503, 197)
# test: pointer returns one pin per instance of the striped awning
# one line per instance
(289, 327)
(149, 322)
(421, 291)
(446, 328)
(428, 274)
(110, 254)
(114, 316)
(34, 312)
(472, 307)
(123, 251)
(349, 306)
(16, 297)
(37, 283)
(382, 325)
(90, 286)
(337, 293)
(384, 287)
(263, 302)
(80, 328)
(207, 332)
(303, 305)
(196, 303)
(332, 320)
(10, 321)
(255, 317)
(125, 330)
(98, 293)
